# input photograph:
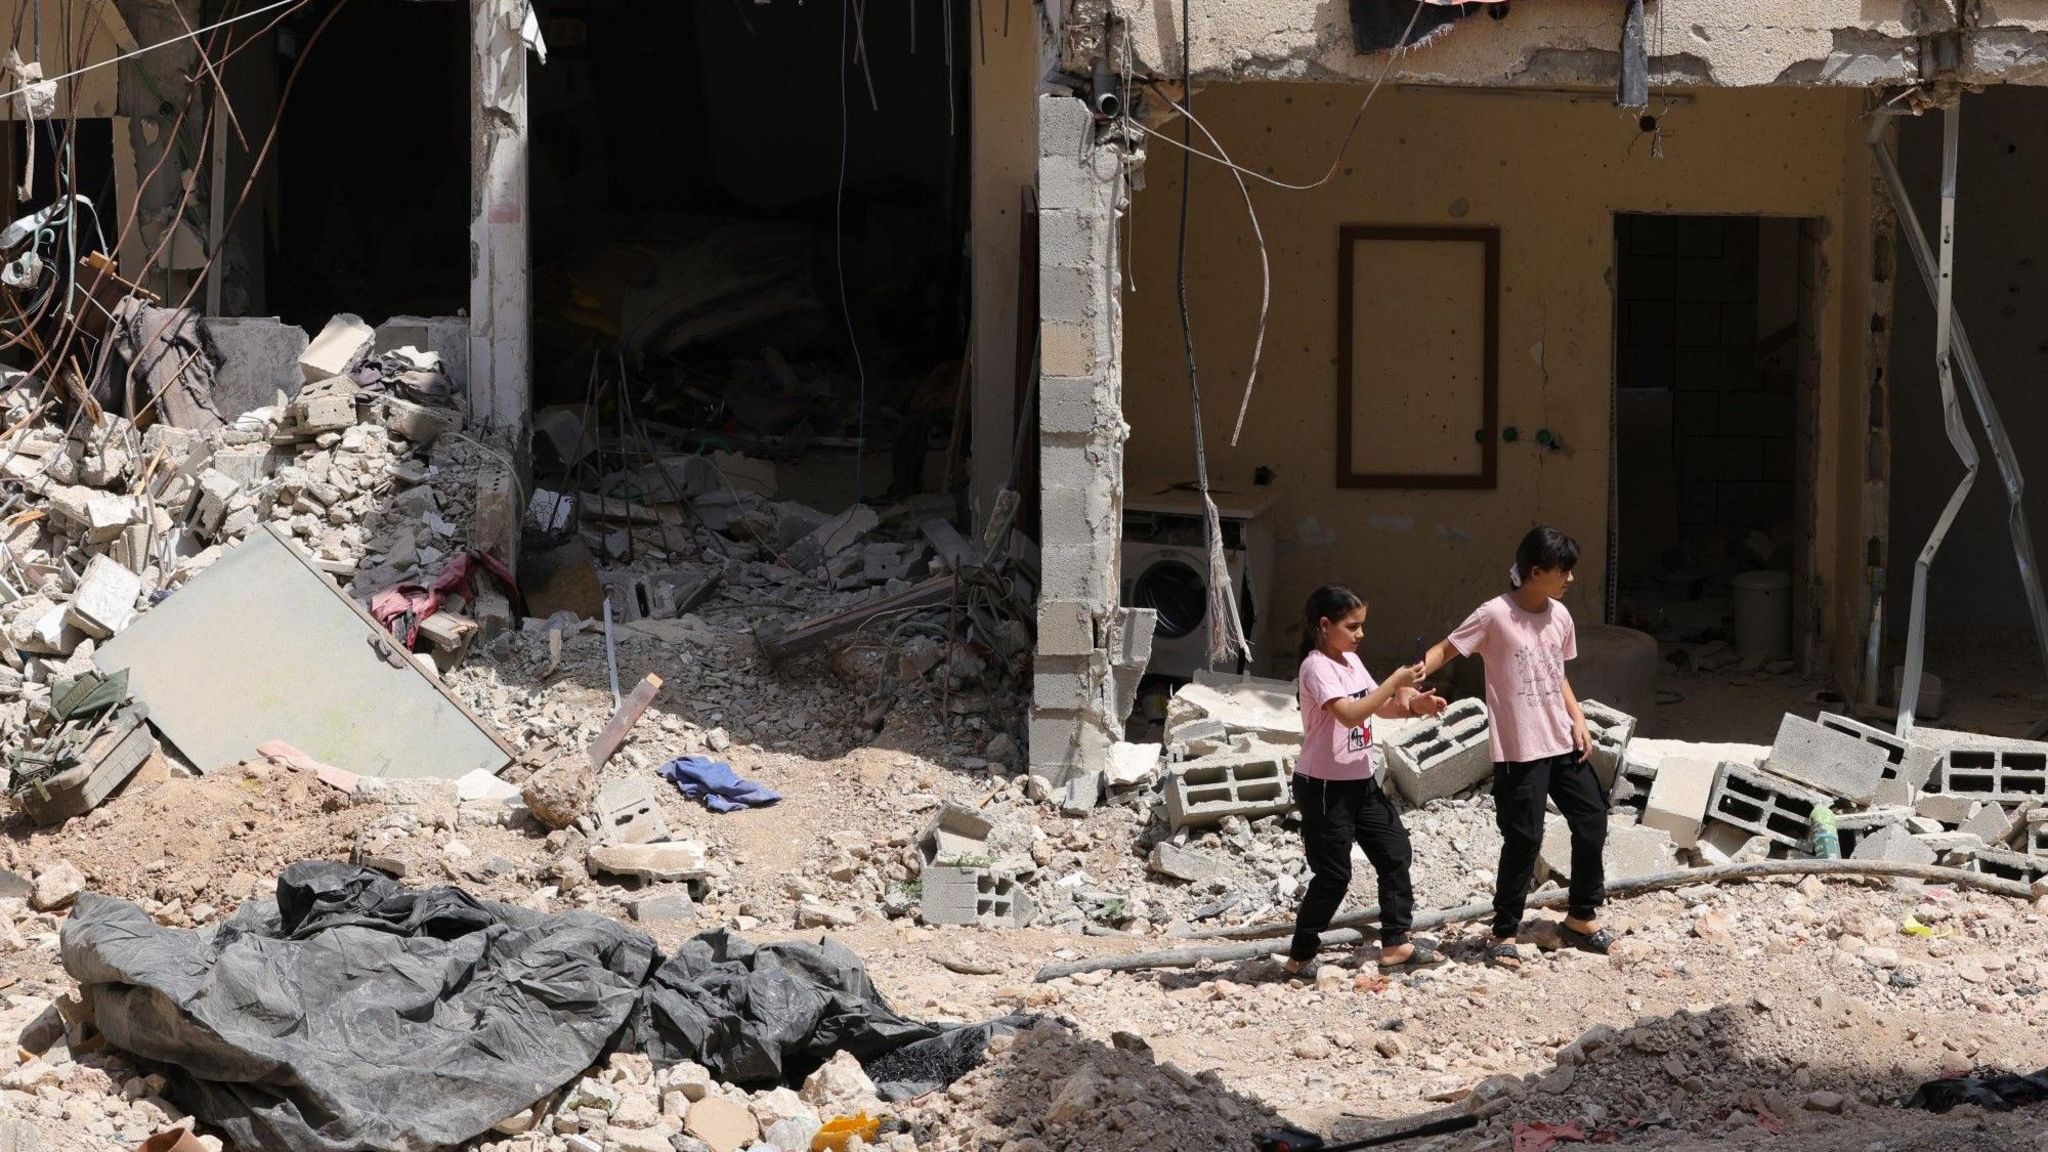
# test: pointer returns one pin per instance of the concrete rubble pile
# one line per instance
(109, 519)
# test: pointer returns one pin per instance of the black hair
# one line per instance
(1330, 602)
(1543, 547)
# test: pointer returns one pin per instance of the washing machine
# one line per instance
(1165, 568)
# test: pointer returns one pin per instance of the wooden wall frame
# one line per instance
(1350, 238)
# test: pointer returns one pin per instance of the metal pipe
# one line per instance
(2002, 451)
(1952, 422)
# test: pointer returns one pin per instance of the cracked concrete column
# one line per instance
(500, 352)
(1090, 652)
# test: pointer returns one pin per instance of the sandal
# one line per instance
(1423, 957)
(1506, 956)
(1306, 973)
(1597, 941)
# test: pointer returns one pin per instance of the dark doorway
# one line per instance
(372, 164)
(1711, 366)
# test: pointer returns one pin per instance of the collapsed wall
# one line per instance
(1572, 43)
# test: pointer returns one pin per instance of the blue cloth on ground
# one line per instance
(715, 783)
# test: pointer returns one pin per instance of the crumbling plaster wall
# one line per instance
(1565, 43)
(1550, 173)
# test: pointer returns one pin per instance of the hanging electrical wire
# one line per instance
(1226, 630)
(1342, 146)
(860, 437)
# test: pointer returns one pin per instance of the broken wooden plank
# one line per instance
(777, 641)
(953, 550)
(614, 734)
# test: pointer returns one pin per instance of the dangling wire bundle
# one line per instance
(1226, 630)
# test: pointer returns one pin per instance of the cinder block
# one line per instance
(1065, 628)
(2011, 773)
(1908, 763)
(1763, 803)
(1177, 863)
(1067, 349)
(1611, 730)
(1069, 407)
(956, 833)
(956, 895)
(1947, 807)
(629, 812)
(1442, 757)
(1066, 126)
(1895, 844)
(1633, 781)
(1200, 793)
(105, 601)
(1826, 759)
(1679, 796)
(1554, 858)
(1129, 638)
(1076, 294)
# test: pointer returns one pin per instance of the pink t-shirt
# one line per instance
(1525, 653)
(1329, 750)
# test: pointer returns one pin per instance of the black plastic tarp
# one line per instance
(357, 1015)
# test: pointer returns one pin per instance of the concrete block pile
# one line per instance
(127, 512)
(1936, 797)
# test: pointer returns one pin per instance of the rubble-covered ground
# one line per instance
(1768, 1014)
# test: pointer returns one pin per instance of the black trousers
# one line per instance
(1335, 814)
(1518, 794)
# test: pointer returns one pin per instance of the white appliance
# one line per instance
(1165, 568)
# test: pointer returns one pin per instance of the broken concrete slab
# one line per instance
(629, 812)
(667, 862)
(481, 787)
(1947, 807)
(291, 657)
(1991, 823)
(1726, 844)
(1133, 765)
(258, 357)
(1893, 844)
(1177, 863)
(1679, 797)
(957, 832)
(339, 347)
(1827, 759)
(104, 603)
(1264, 708)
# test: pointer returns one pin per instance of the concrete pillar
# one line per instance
(1090, 652)
(500, 312)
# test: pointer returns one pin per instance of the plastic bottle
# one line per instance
(1827, 841)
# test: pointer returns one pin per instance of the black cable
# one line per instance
(1187, 327)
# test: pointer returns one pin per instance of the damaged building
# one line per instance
(1638, 271)
(1457, 269)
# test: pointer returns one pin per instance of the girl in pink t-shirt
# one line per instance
(1336, 790)
(1540, 746)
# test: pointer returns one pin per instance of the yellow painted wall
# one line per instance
(1005, 160)
(1550, 173)
(94, 34)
